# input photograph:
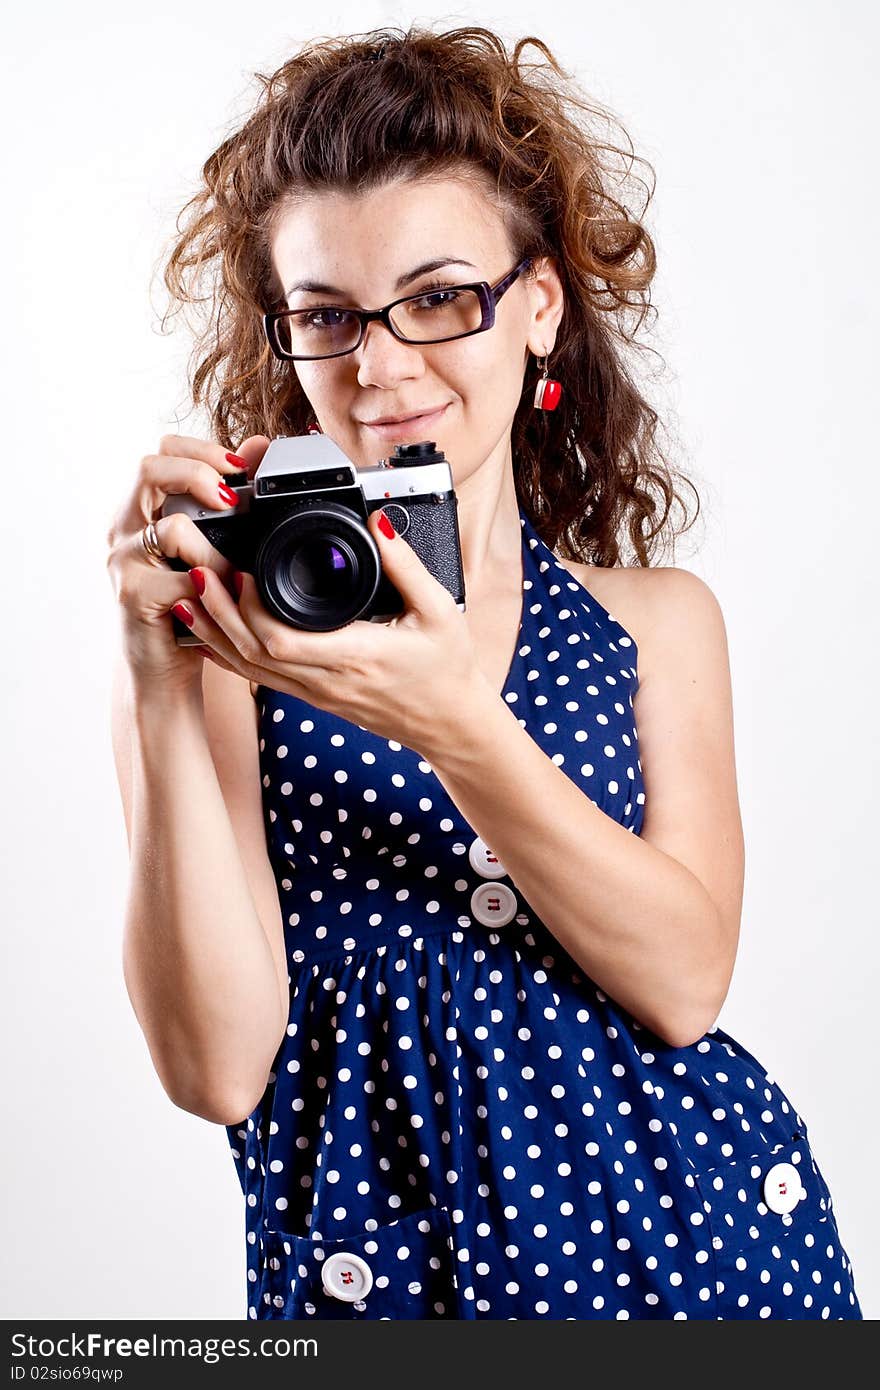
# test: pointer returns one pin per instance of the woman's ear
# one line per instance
(547, 304)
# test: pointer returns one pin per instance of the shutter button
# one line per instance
(493, 904)
(346, 1276)
(484, 862)
(782, 1188)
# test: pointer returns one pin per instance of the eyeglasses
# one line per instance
(436, 315)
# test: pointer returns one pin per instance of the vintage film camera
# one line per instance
(300, 530)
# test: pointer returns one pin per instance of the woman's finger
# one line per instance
(307, 682)
(148, 588)
(163, 474)
(180, 539)
(214, 657)
(334, 650)
(188, 446)
(262, 639)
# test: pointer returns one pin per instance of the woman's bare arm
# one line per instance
(652, 919)
(203, 951)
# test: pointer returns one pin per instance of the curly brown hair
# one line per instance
(350, 113)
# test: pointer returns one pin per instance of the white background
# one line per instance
(758, 120)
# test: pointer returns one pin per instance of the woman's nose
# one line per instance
(384, 359)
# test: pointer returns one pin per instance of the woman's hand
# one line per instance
(411, 679)
(146, 590)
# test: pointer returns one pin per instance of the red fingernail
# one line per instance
(227, 495)
(234, 458)
(385, 526)
(198, 580)
(181, 611)
(238, 581)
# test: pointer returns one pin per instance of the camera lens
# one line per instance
(318, 568)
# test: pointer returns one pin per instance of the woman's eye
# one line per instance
(325, 318)
(437, 299)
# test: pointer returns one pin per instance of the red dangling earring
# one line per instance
(314, 428)
(548, 392)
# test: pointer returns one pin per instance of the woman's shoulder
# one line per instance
(645, 600)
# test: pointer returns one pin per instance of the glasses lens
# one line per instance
(317, 332)
(441, 313)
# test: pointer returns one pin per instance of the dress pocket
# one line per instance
(774, 1236)
(405, 1269)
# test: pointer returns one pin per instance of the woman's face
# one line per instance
(366, 246)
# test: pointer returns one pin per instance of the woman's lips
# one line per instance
(409, 429)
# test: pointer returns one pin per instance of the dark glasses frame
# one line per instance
(489, 296)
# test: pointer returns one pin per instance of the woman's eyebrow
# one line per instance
(315, 287)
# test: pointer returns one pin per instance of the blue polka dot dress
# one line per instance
(459, 1123)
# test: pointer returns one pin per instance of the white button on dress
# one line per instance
(782, 1188)
(484, 861)
(493, 904)
(346, 1276)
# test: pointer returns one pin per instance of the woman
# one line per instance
(441, 936)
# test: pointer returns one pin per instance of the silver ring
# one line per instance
(152, 548)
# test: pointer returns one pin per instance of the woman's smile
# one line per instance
(412, 428)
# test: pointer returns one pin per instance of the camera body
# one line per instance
(300, 529)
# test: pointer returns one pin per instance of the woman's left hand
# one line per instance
(412, 679)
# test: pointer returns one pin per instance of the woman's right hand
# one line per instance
(147, 590)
